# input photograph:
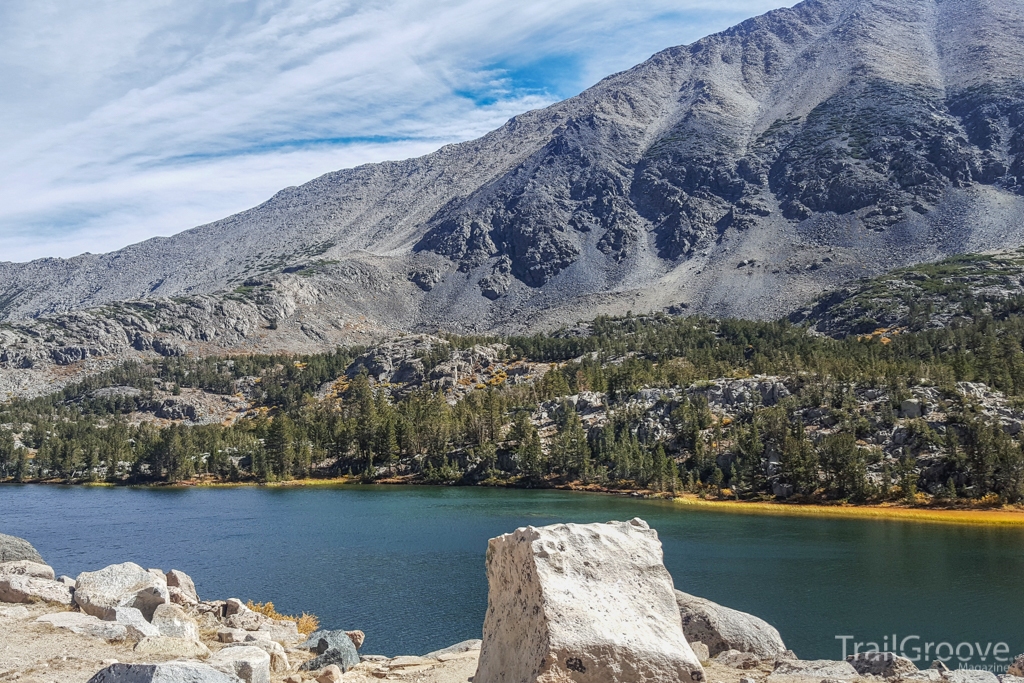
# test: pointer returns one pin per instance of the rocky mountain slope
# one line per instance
(741, 175)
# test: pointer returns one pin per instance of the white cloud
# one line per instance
(125, 119)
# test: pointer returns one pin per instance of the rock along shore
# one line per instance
(589, 603)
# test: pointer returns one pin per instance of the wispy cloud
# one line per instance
(125, 119)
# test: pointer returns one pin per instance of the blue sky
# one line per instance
(126, 119)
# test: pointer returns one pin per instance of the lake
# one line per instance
(406, 564)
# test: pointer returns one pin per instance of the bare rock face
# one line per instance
(120, 585)
(722, 628)
(582, 602)
(169, 672)
(13, 549)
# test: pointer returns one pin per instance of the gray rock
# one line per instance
(13, 549)
(250, 663)
(283, 631)
(231, 635)
(171, 620)
(169, 672)
(884, 664)
(246, 620)
(26, 568)
(20, 588)
(800, 671)
(970, 676)
(700, 650)
(119, 585)
(457, 648)
(738, 660)
(182, 588)
(331, 647)
(85, 624)
(132, 619)
(722, 628)
(911, 409)
(278, 657)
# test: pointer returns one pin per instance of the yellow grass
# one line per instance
(306, 623)
(996, 517)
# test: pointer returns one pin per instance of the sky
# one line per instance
(126, 119)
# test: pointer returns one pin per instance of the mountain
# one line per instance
(740, 175)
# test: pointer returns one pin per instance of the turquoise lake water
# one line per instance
(406, 564)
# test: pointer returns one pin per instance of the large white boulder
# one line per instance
(23, 588)
(582, 602)
(120, 585)
(250, 663)
(169, 672)
(722, 628)
(172, 621)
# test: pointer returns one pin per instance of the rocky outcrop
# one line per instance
(13, 549)
(99, 593)
(574, 599)
(170, 672)
(722, 628)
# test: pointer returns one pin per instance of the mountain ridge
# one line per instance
(740, 175)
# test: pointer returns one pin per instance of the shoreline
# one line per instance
(968, 515)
